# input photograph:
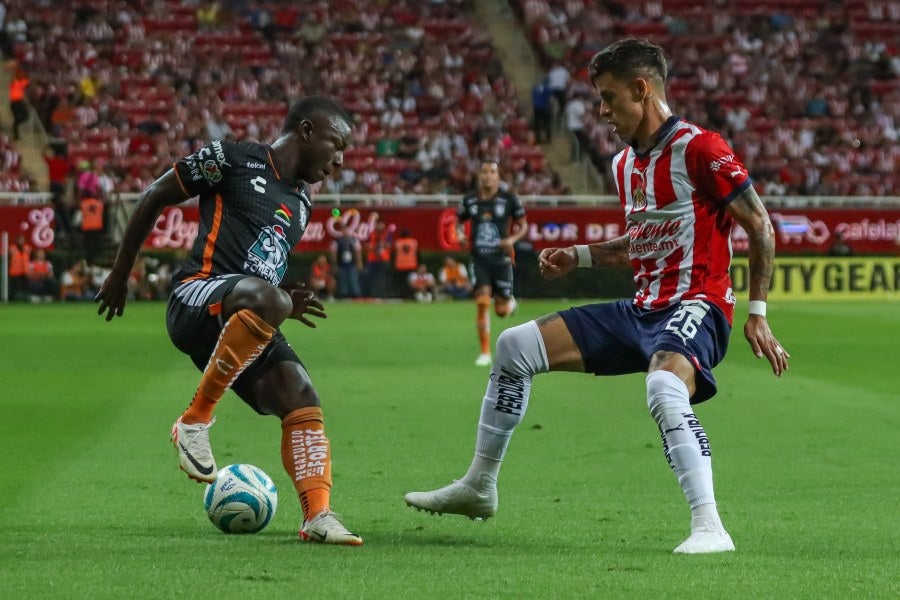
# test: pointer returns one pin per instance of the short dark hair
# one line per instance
(306, 107)
(630, 58)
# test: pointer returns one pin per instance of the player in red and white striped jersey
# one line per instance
(680, 187)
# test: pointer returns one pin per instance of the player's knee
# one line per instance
(665, 388)
(271, 304)
(520, 349)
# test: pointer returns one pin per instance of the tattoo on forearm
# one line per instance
(612, 253)
(762, 259)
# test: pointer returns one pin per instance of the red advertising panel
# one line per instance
(33, 222)
(806, 231)
(809, 231)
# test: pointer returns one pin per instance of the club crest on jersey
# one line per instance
(638, 195)
(284, 214)
(638, 199)
(267, 257)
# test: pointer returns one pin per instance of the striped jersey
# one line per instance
(250, 217)
(674, 198)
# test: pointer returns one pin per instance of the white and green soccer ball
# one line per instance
(242, 499)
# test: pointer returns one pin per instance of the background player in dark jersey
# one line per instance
(498, 222)
(681, 188)
(226, 304)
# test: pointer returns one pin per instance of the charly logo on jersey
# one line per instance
(284, 214)
(267, 257)
(259, 184)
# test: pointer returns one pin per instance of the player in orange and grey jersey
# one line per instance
(498, 222)
(226, 305)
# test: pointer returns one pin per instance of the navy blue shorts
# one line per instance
(618, 337)
(194, 321)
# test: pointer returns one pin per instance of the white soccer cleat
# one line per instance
(484, 360)
(194, 452)
(457, 498)
(325, 528)
(706, 538)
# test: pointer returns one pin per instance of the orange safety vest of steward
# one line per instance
(407, 256)
(91, 214)
(18, 260)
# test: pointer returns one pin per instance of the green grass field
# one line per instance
(94, 505)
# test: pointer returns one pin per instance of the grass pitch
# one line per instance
(95, 506)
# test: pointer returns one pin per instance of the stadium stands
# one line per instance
(150, 77)
(807, 92)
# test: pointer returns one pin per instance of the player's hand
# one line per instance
(763, 343)
(305, 303)
(554, 263)
(112, 295)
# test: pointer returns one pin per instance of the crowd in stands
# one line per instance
(806, 91)
(12, 179)
(134, 85)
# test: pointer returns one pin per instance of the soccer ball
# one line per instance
(242, 499)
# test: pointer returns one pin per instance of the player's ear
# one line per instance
(306, 129)
(641, 89)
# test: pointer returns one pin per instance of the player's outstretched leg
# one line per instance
(459, 498)
(520, 355)
(194, 452)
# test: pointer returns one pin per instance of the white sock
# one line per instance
(684, 442)
(520, 354)
(703, 515)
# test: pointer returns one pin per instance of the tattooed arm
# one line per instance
(557, 262)
(748, 210)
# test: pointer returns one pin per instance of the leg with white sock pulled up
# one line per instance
(520, 354)
(687, 450)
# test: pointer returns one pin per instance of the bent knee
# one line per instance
(270, 303)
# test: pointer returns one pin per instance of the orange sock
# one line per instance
(483, 322)
(306, 456)
(243, 338)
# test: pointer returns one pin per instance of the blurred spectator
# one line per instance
(19, 256)
(454, 280)
(58, 172)
(90, 219)
(18, 103)
(321, 279)
(217, 128)
(346, 253)
(840, 246)
(42, 284)
(88, 181)
(558, 80)
(378, 258)
(422, 284)
(139, 284)
(208, 16)
(406, 256)
(574, 118)
(542, 112)
(76, 283)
